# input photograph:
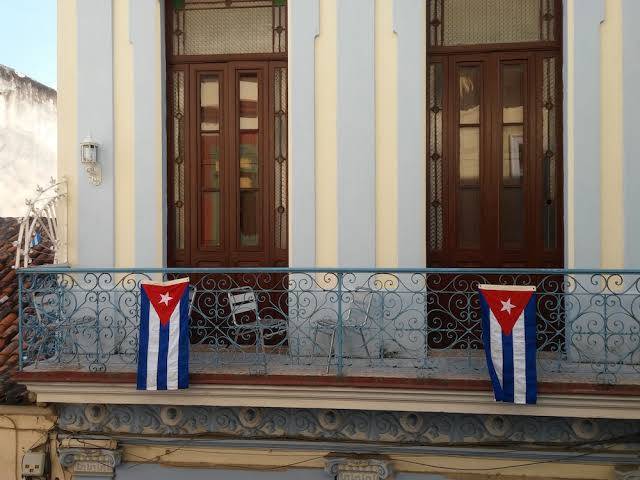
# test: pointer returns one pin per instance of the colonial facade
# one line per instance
(352, 169)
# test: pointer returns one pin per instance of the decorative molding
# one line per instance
(356, 468)
(408, 428)
(94, 462)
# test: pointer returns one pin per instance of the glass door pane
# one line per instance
(469, 148)
(512, 204)
(248, 157)
(210, 159)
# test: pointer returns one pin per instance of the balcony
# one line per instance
(399, 329)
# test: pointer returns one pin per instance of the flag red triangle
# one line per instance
(506, 305)
(164, 297)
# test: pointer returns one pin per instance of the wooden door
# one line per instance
(235, 173)
(494, 167)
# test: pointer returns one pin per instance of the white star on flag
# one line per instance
(165, 298)
(507, 306)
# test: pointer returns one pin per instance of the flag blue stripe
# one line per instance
(183, 345)
(163, 351)
(530, 349)
(143, 341)
(486, 340)
(507, 368)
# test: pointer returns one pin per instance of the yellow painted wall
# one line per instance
(68, 143)
(21, 428)
(326, 137)
(467, 467)
(386, 136)
(124, 135)
(611, 152)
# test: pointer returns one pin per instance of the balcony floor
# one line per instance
(444, 366)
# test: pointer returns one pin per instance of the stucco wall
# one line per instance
(155, 472)
(27, 139)
(358, 206)
(407, 470)
(21, 428)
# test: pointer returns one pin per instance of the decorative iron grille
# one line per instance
(177, 109)
(280, 155)
(218, 27)
(398, 323)
(436, 170)
(549, 109)
(473, 22)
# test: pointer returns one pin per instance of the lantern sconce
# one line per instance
(89, 158)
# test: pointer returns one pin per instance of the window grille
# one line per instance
(241, 27)
(474, 22)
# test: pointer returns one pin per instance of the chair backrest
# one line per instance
(242, 300)
(359, 312)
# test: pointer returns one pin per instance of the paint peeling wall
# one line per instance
(28, 139)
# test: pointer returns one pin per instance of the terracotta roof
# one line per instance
(11, 392)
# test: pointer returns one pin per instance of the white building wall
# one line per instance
(28, 139)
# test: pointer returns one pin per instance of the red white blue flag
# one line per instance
(163, 351)
(509, 337)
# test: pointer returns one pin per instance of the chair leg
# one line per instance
(333, 337)
(364, 344)
(261, 345)
(315, 343)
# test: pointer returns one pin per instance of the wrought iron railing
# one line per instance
(367, 323)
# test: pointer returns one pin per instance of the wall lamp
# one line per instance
(89, 158)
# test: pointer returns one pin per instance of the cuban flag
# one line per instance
(509, 337)
(163, 351)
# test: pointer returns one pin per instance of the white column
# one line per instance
(582, 132)
(303, 29)
(96, 204)
(149, 109)
(356, 133)
(631, 119)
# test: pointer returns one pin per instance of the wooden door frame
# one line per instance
(532, 252)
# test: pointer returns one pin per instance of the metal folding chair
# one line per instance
(356, 318)
(246, 319)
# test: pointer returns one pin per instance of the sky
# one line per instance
(28, 38)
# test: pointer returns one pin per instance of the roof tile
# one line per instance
(10, 391)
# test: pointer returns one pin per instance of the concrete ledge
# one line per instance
(347, 398)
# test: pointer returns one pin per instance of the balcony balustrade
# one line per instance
(395, 325)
